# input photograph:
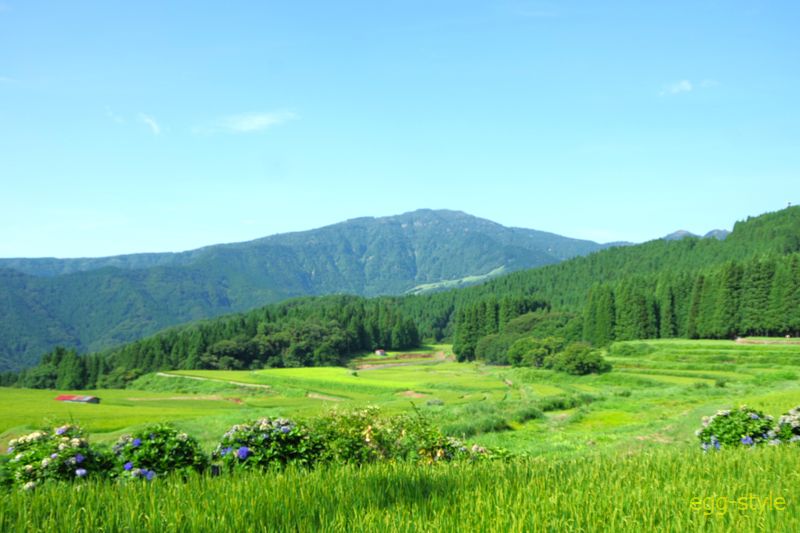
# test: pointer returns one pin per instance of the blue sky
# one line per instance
(141, 126)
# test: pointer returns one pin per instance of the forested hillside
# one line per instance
(747, 284)
(94, 304)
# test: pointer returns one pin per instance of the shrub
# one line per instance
(740, 427)
(266, 443)
(157, 450)
(364, 435)
(788, 428)
(578, 359)
(630, 348)
(63, 455)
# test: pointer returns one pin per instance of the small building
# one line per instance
(380, 352)
(76, 398)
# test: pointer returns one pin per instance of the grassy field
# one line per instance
(614, 451)
(670, 490)
(654, 397)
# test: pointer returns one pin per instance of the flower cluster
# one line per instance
(364, 435)
(266, 443)
(63, 454)
(155, 450)
(788, 428)
(739, 427)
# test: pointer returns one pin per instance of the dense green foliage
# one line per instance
(305, 332)
(748, 284)
(94, 304)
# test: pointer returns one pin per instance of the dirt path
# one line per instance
(437, 357)
(197, 378)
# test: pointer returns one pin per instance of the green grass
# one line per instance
(671, 490)
(652, 399)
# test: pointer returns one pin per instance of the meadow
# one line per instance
(616, 449)
(654, 397)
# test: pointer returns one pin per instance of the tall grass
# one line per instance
(641, 492)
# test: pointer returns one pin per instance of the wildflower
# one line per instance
(29, 485)
(81, 472)
(76, 443)
(62, 430)
(127, 466)
(62, 447)
(10, 449)
(53, 456)
(136, 442)
(754, 416)
(136, 472)
(12, 442)
(183, 436)
(79, 458)
(149, 474)
(45, 462)
(28, 468)
(243, 452)
(285, 429)
(774, 442)
(226, 450)
(748, 440)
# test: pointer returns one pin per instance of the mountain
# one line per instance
(678, 235)
(747, 284)
(719, 234)
(96, 303)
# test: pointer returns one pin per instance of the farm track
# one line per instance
(226, 381)
(438, 357)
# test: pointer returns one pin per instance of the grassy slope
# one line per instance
(649, 400)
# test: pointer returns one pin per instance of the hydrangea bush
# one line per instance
(266, 443)
(364, 435)
(788, 428)
(63, 454)
(739, 427)
(157, 450)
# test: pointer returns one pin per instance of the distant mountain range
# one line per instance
(719, 234)
(96, 303)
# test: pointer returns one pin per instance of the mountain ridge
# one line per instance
(96, 303)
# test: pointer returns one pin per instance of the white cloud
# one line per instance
(151, 122)
(253, 122)
(682, 86)
(686, 86)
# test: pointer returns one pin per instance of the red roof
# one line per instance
(74, 398)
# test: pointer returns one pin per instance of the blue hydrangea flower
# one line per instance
(226, 450)
(79, 458)
(149, 474)
(127, 466)
(136, 442)
(81, 472)
(754, 416)
(53, 456)
(285, 429)
(748, 440)
(61, 430)
(243, 452)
